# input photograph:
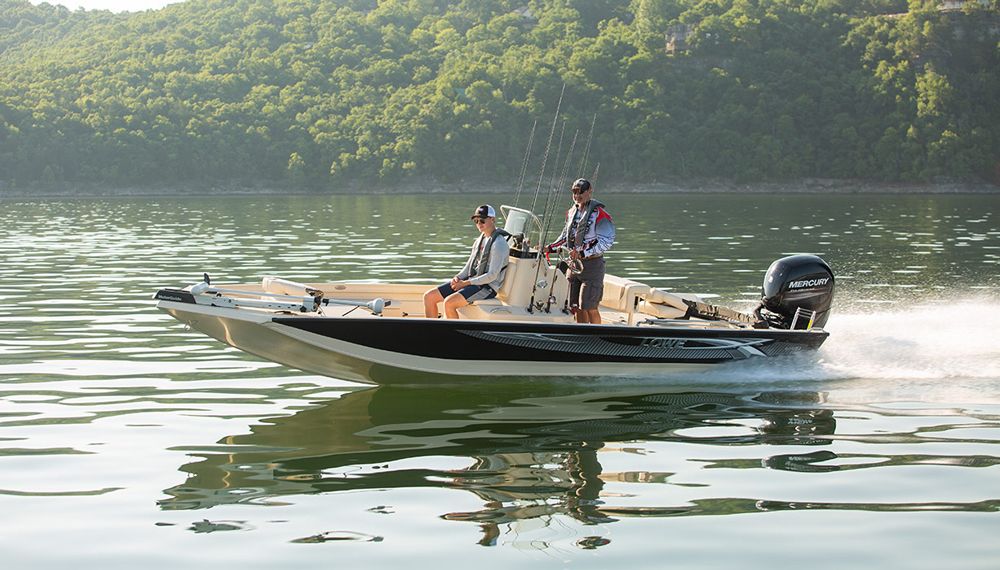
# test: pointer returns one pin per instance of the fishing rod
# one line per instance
(524, 163)
(583, 164)
(555, 171)
(548, 147)
(562, 183)
(557, 185)
(586, 150)
(558, 182)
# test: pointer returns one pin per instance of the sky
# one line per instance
(113, 5)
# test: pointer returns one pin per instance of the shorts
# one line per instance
(471, 293)
(587, 287)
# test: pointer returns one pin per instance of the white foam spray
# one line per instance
(926, 340)
(924, 351)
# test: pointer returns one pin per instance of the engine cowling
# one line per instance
(798, 291)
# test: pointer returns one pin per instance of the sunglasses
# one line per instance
(479, 220)
(580, 190)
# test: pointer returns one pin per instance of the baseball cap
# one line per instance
(582, 183)
(485, 211)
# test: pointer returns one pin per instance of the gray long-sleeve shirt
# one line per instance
(498, 258)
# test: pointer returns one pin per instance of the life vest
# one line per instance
(482, 263)
(575, 239)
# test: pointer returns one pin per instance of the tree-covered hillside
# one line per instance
(326, 93)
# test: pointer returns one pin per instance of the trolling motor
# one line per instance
(797, 294)
(278, 294)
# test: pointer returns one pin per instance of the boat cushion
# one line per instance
(666, 305)
(620, 294)
(660, 310)
(675, 300)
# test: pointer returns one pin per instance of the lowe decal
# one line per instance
(658, 342)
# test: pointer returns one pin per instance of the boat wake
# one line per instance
(925, 349)
(926, 340)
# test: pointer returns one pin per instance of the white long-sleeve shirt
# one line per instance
(600, 233)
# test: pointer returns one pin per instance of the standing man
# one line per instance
(589, 233)
(483, 273)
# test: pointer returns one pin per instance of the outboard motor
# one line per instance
(797, 293)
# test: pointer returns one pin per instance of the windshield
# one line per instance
(519, 221)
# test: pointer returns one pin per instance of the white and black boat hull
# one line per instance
(389, 350)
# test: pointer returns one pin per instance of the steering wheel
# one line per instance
(575, 265)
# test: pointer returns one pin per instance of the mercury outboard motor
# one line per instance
(797, 293)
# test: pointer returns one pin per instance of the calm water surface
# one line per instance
(127, 441)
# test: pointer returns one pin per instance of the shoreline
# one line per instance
(805, 186)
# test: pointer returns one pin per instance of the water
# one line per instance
(127, 441)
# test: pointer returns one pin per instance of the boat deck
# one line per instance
(625, 303)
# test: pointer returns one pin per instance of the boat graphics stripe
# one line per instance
(479, 340)
(631, 348)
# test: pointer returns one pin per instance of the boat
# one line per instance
(377, 333)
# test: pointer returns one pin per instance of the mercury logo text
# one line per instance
(808, 283)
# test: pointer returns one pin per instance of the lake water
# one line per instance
(127, 441)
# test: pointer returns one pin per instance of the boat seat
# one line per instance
(660, 311)
(512, 279)
(676, 300)
(666, 305)
(508, 288)
(622, 294)
(485, 307)
(515, 294)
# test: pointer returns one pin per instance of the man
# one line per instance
(483, 273)
(589, 233)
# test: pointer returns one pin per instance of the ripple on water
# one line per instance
(117, 368)
(338, 536)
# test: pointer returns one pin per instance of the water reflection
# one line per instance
(527, 452)
(538, 453)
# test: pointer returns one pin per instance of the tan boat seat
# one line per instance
(666, 305)
(660, 311)
(621, 294)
